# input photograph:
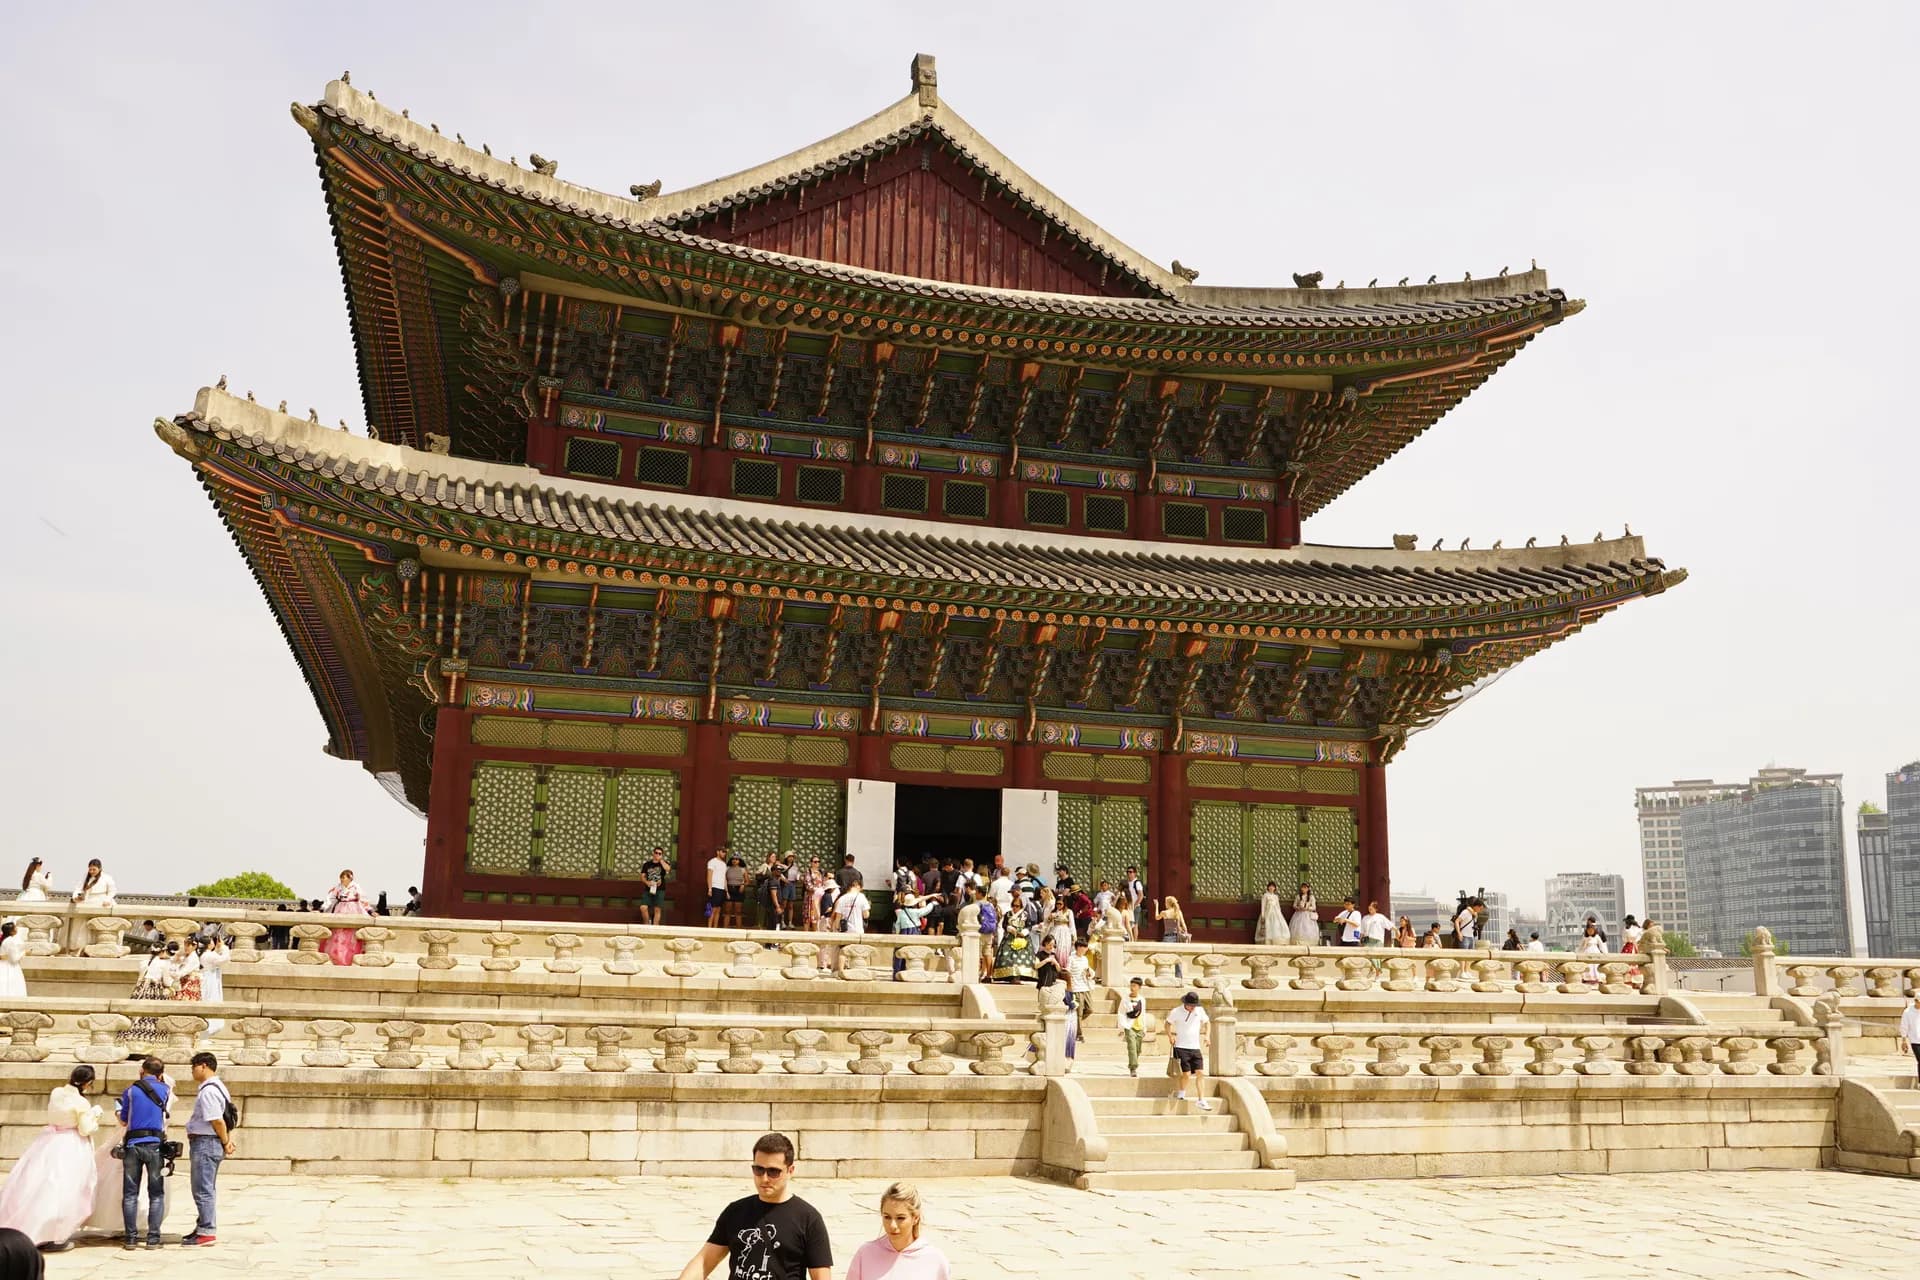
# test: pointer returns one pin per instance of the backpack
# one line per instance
(229, 1114)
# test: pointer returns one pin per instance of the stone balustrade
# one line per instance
(1810, 979)
(1212, 965)
(1537, 1050)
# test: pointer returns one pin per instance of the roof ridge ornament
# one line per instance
(926, 81)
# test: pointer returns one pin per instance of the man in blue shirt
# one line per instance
(143, 1112)
(208, 1143)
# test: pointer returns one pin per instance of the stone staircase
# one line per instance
(1741, 1011)
(1155, 1143)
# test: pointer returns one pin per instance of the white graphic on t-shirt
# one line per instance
(763, 1238)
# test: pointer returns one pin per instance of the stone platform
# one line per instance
(1689, 1226)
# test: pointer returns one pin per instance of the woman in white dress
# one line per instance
(1592, 944)
(37, 884)
(1270, 930)
(96, 890)
(1306, 918)
(50, 1191)
(13, 949)
(213, 962)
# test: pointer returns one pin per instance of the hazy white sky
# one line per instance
(1730, 187)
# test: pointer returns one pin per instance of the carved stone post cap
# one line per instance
(743, 948)
(120, 1022)
(316, 931)
(619, 942)
(330, 1028)
(931, 1039)
(539, 1033)
(674, 1035)
(873, 1039)
(1277, 1041)
(683, 946)
(244, 928)
(472, 1030)
(256, 1025)
(401, 1029)
(564, 939)
(501, 938)
(609, 1035)
(431, 935)
(1391, 1042)
(804, 1037)
(172, 1023)
(34, 1020)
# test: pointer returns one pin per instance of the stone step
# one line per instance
(1106, 1108)
(1120, 1161)
(1190, 1121)
(1171, 1140)
(1157, 1085)
(1186, 1180)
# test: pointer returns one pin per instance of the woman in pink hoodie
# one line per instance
(900, 1253)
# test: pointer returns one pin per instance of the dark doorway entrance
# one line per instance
(946, 822)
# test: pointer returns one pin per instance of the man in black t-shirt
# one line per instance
(653, 887)
(772, 1234)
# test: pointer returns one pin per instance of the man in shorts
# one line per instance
(772, 1234)
(653, 887)
(1187, 1026)
(716, 886)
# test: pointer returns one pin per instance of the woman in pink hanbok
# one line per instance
(345, 899)
(50, 1191)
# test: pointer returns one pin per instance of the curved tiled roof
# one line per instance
(1356, 580)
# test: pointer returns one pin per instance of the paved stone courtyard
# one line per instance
(1694, 1225)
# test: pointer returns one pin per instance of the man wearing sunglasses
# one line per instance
(772, 1234)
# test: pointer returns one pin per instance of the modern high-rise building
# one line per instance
(1773, 854)
(1422, 909)
(1663, 863)
(1573, 896)
(1876, 878)
(1890, 867)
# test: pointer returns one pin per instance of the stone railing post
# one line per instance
(1643, 1056)
(675, 1055)
(803, 961)
(990, 1053)
(1306, 969)
(1260, 967)
(1843, 976)
(856, 962)
(439, 945)
(1786, 1056)
(1544, 1063)
(1399, 974)
(1657, 974)
(1616, 978)
(683, 965)
(40, 934)
(373, 944)
(1165, 965)
(968, 965)
(869, 1061)
(177, 930)
(1594, 1060)
(606, 1048)
(1833, 1038)
(1883, 983)
(1442, 974)
(933, 1059)
(622, 962)
(329, 1043)
(307, 948)
(1209, 968)
(1490, 975)
(1533, 977)
(101, 1047)
(1913, 982)
(399, 1055)
(470, 1055)
(805, 1060)
(1740, 1056)
(1275, 1063)
(1386, 1056)
(1766, 976)
(182, 1030)
(741, 1060)
(245, 945)
(1356, 974)
(1440, 1056)
(26, 1025)
(1802, 976)
(1493, 1055)
(742, 965)
(542, 1054)
(1573, 977)
(502, 959)
(106, 932)
(1696, 1056)
(913, 962)
(1333, 1056)
(1223, 1024)
(256, 1042)
(565, 957)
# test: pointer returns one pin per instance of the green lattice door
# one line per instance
(773, 815)
(1237, 848)
(568, 821)
(1101, 836)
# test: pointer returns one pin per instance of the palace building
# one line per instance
(875, 500)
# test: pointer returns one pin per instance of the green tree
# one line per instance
(1681, 947)
(1780, 947)
(248, 884)
(1868, 806)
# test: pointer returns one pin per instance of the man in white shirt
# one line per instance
(1001, 890)
(851, 910)
(1534, 943)
(1188, 1027)
(1375, 927)
(1910, 1032)
(1133, 1012)
(1463, 928)
(1349, 921)
(716, 884)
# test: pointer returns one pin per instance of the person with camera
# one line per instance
(209, 1141)
(144, 1150)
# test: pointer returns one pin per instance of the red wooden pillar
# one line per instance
(446, 852)
(703, 819)
(1375, 883)
(716, 471)
(1170, 865)
(1286, 521)
(865, 488)
(1026, 766)
(1146, 515)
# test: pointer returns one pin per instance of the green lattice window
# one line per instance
(1101, 836)
(768, 815)
(1238, 848)
(568, 821)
